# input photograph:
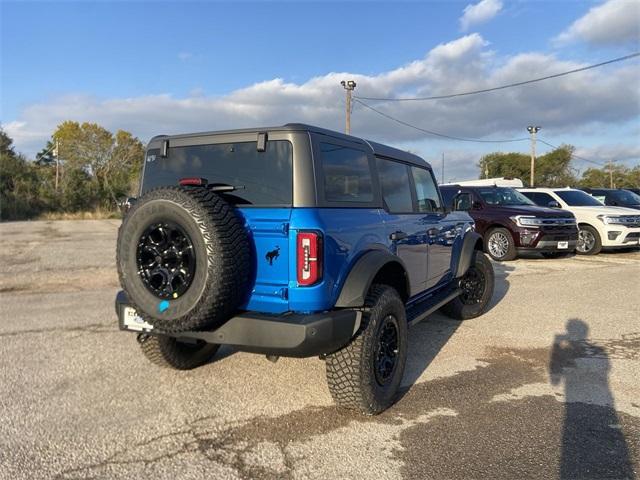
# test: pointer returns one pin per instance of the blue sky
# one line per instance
(164, 67)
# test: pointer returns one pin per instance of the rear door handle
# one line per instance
(398, 235)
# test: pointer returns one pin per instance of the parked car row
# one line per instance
(552, 221)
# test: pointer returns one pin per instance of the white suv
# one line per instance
(599, 226)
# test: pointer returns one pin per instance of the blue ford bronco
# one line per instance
(294, 241)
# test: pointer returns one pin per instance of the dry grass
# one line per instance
(97, 214)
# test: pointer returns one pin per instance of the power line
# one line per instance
(501, 87)
(573, 154)
(437, 134)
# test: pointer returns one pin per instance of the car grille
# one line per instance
(557, 222)
(628, 220)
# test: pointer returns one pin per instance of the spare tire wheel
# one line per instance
(183, 258)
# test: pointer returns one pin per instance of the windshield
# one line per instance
(577, 198)
(503, 196)
(624, 197)
(265, 178)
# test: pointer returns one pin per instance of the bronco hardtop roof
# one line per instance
(376, 148)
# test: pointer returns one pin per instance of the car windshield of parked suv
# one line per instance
(503, 196)
(623, 197)
(264, 178)
(577, 198)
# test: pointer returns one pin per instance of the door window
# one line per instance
(426, 190)
(396, 188)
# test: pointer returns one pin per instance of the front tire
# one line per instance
(500, 245)
(365, 375)
(168, 352)
(589, 242)
(477, 290)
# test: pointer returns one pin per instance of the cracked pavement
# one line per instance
(544, 385)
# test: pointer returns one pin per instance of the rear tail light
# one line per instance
(309, 252)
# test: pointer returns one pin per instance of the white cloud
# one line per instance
(597, 99)
(480, 12)
(184, 56)
(610, 23)
(626, 154)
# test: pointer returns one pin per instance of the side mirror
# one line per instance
(553, 204)
(476, 205)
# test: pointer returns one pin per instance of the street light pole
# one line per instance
(349, 86)
(532, 131)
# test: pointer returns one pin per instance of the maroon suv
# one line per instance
(511, 223)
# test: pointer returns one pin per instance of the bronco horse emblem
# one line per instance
(272, 255)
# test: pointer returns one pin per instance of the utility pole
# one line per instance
(56, 153)
(349, 86)
(442, 167)
(532, 131)
(611, 173)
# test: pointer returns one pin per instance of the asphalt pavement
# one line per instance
(545, 385)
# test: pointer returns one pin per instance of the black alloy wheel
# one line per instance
(165, 259)
(473, 285)
(386, 352)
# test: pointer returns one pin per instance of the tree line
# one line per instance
(85, 167)
(555, 169)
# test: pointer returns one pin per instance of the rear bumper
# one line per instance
(287, 335)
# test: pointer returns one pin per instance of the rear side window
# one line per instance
(396, 188)
(347, 174)
(426, 190)
(267, 177)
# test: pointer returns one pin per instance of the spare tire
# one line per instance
(184, 258)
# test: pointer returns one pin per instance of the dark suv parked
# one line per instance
(615, 197)
(294, 241)
(510, 223)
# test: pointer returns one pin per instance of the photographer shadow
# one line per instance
(593, 443)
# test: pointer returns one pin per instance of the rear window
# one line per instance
(267, 177)
(347, 174)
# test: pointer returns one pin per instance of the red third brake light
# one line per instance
(309, 252)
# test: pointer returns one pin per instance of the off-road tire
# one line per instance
(168, 352)
(457, 308)
(597, 246)
(510, 253)
(350, 371)
(223, 268)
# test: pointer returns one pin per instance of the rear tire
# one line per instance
(169, 352)
(589, 242)
(477, 285)
(499, 245)
(365, 374)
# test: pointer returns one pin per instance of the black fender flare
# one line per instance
(472, 241)
(360, 278)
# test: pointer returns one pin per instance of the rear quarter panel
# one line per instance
(347, 234)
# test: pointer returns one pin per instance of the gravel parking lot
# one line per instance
(545, 385)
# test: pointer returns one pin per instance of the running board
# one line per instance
(417, 313)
